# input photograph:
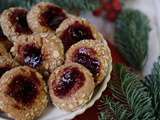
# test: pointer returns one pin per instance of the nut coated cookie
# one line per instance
(4, 41)
(41, 51)
(14, 23)
(94, 55)
(45, 17)
(6, 61)
(73, 30)
(71, 86)
(23, 93)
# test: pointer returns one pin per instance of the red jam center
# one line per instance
(71, 80)
(52, 17)
(31, 55)
(75, 33)
(18, 19)
(84, 57)
(24, 89)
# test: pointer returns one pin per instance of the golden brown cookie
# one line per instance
(13, 22)
(71, 86)
(23, 93)
(73, 30)
(6, 61)
(45, 17)
(4, 41)
(41, 51)
(94, 55)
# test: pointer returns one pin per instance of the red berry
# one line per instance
(108, 6)
(117, 5)
(111, 16)
(97, 12)
(102, 2)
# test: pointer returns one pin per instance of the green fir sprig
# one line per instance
(141, 97)
(71, 5)
(132, 34)
(152, 83)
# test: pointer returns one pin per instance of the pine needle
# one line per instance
(115, 84)
(137, 97)
(71, 5)
(137, 104)
(152, 83)
(119, 111)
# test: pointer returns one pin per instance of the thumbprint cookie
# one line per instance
(4, 41)
(40, 51)
(14, 22)
(73, 30)
(45, 17)
(94, 55)
(6, 61)
(71, 86)
(23, 93)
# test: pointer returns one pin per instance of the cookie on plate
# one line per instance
(14, 23)
(6, 61)
(73, 30)
(4, 41)
(71, 86)
(23, 93)
(94, 55)
(43, 52)
(45, 17)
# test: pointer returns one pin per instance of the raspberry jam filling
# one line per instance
(75, 33)
(84, 56)
(24, 89)
(71, 80)
(52, 17)
(18, 19)
(31, 55)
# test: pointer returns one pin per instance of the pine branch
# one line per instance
(25, 3)
(102, 116)
(78, 5)
(119, 111)
(152, 83)
(115, 84)
(139, 104)
(5, 4)
(71, 5)
(132, 34)
(137, 97)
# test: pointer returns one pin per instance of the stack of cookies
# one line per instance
(47, 53)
